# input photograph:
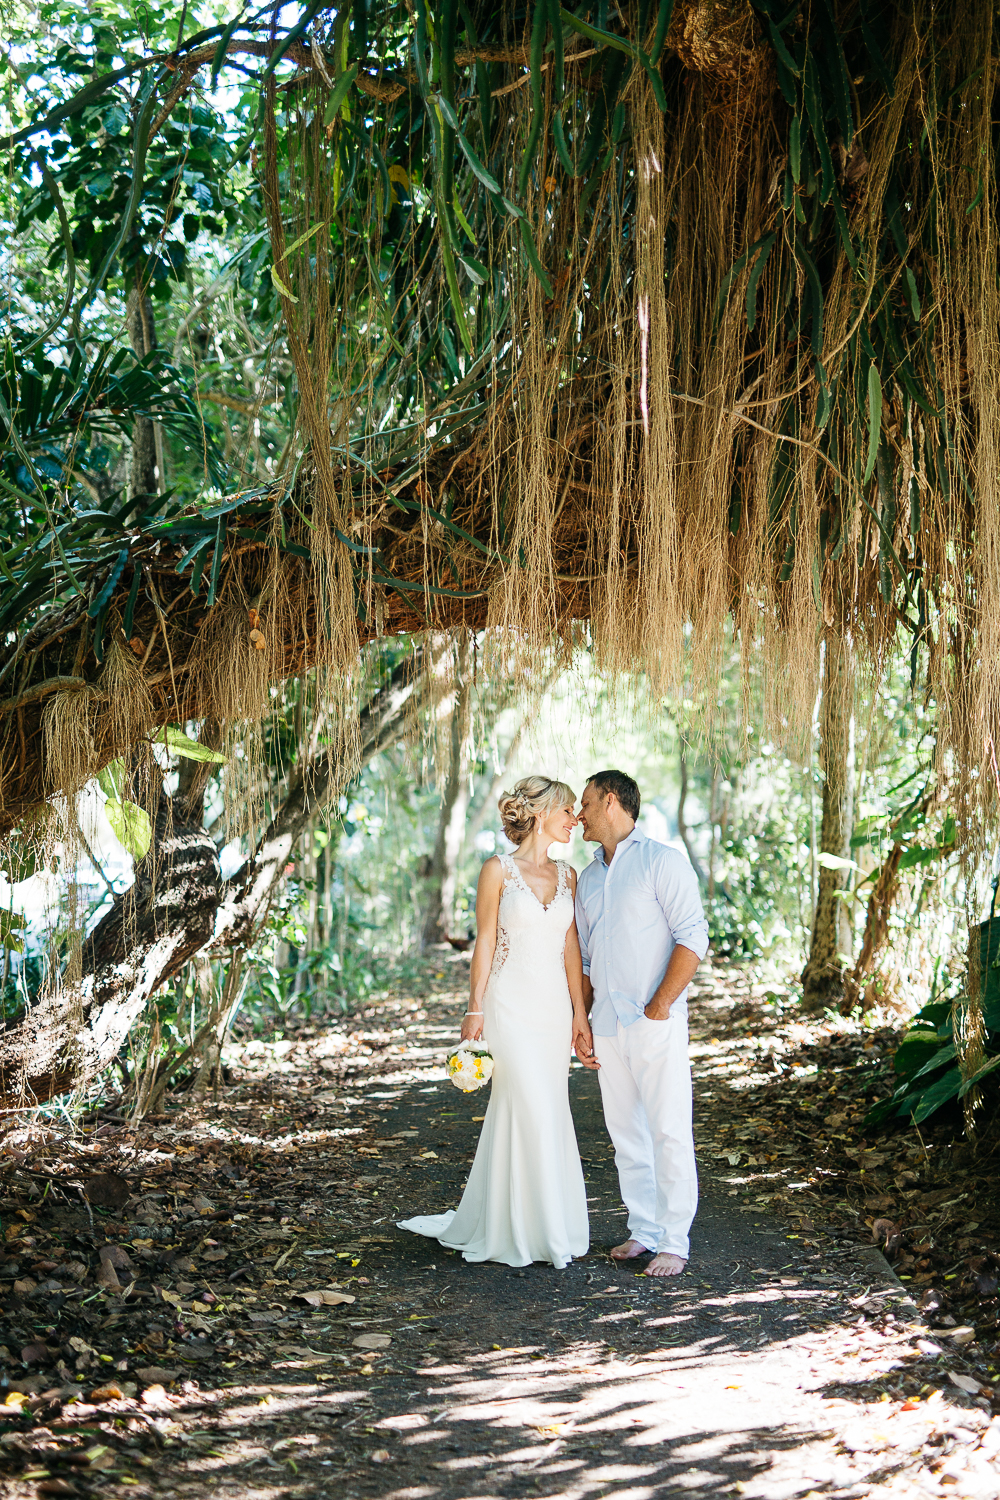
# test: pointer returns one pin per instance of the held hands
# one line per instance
(583, 1042)
(472, 1026)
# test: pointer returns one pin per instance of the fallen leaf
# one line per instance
(107, 1277)
(116, 1256)
(883, 1231)
(964, 1383)
(325, 1298)
(372, 1341)
(34, 1354)
(381, 1456)
(109, 1392)
(960, 1336)
(15, 1398)
(156, 1375)
(107, 1190)
(215, 1255)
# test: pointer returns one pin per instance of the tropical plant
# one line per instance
(643, 326)
(927, 1060)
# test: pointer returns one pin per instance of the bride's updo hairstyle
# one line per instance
(531, 798)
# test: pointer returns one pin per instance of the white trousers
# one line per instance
(645, 1080)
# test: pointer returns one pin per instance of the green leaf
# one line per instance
(130, 825)
(538, 30)
(451, 277)
(181, 744)
(596, 34)
(282, 288)
(795, 148)
(292, 36)
(340, 92)
(111, 778)
(486, 178)
(916, 1051)
(754, 279)
(939, 1093)
(226, 37)
(10, 923)
(874, 419)
(302, 239)
(116, 572)
(969, 1083)
(532, 254)
(478, 273)
(562, 145)
(946, 1052)
(20, 859)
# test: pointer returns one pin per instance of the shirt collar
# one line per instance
(635, 837)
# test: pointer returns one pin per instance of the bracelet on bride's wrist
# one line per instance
(473, 1012)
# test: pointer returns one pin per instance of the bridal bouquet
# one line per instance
(470, 1066)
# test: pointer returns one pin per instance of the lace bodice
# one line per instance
(538, 932)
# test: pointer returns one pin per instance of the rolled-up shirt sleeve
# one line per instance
(680, 901)
(583, 930)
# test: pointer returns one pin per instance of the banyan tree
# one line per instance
(631, 325)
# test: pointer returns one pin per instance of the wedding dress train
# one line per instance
(525, 1199)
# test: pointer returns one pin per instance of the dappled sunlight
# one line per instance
(775, 1367)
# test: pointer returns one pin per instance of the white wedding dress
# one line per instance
(525, 1198)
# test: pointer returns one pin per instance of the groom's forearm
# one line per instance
(588, 994)
(681, 970)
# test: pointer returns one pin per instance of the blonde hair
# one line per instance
(532, 797)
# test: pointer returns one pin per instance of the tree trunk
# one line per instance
(454, 806)
(73, 1032)
(144, 474)
(857, 987)
(249, 892)
(832, 940)
(177, 908)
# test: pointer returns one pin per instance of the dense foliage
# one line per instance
(668, 331)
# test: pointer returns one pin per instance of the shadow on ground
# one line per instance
(771, 1369)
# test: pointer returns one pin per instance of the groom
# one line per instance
(642, 935)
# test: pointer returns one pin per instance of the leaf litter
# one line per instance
(154, 1277)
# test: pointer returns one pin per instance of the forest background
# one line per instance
(151, 372)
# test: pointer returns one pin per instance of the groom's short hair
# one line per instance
(623, 787)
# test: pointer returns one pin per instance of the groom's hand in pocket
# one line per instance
(583, 1043)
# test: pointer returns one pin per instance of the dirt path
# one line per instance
(782, 1364)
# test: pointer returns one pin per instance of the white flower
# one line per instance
(470, 1066)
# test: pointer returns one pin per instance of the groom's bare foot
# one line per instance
(628, 1251)
(664, 1265)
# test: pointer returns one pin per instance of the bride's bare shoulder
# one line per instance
(492, 872)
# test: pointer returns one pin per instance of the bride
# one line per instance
(525, 1198)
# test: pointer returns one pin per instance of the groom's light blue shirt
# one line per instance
(630, 916)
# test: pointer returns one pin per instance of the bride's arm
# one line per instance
(583, 1041)
(487, 912)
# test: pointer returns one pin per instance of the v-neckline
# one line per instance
(520, 877)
